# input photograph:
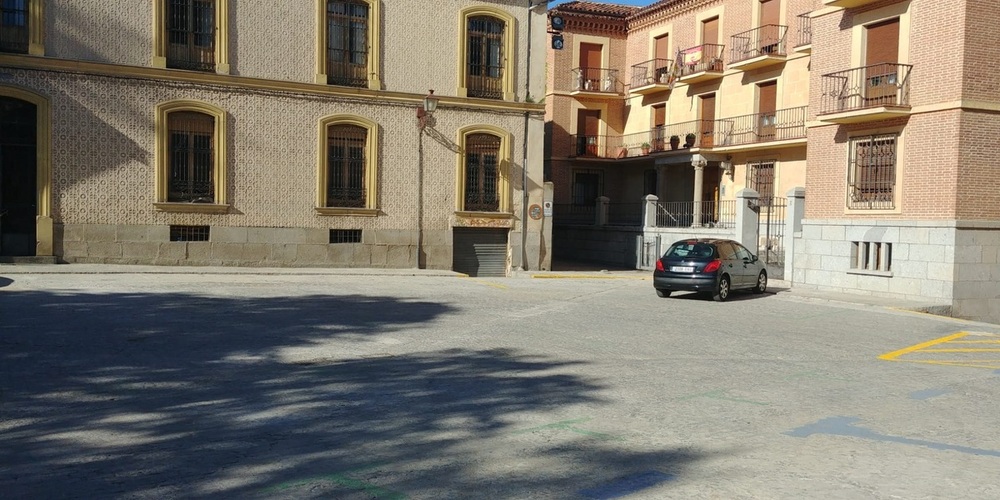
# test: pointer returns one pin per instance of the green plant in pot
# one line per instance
(689, 140)
(675, 142)
(645, 148)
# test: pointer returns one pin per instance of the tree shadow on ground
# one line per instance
(176, 395)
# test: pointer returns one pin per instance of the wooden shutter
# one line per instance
(710, 30)
(590, 65)
(707, 120)
(659, 121)
(588, 125)
(770, 18)
(767, 98)
(881, 55)
(770, 12)
(661, 51)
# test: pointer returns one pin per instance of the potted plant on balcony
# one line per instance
(675, 142)
(645, 148)
(689, 140)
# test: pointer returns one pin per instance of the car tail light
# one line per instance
(713, 266)
(659, 265)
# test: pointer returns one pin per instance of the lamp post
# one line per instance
(427, 109)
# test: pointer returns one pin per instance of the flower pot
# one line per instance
(675, 142)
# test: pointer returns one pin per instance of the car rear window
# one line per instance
(693, 250)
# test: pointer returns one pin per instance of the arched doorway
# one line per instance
(18, 177)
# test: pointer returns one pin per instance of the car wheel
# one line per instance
(722, 289)
(761, 283)
(662, 293)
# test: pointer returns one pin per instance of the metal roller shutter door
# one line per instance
(480, 252)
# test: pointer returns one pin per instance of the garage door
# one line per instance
(480, 252)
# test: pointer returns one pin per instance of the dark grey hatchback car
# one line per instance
(709, 265)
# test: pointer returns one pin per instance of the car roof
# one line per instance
(704, 240)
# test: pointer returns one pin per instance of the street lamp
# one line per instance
(426, 109)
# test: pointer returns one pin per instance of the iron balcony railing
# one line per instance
(704, 57)
(767, 40)
(779, 125)
(885, 84)
(596, 80)
(805, 30)
(721, 214)
(677, 136)
(651, 72)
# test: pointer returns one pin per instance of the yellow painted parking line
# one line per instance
(950, 351)
(494, 285)
(895, 354)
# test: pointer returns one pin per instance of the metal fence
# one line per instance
(805, 30)
(767, 40)
(570, 213)
(602, 80)
(779, 125)
(721, 214)
(625, 214)
(651, 72)
(771, 230)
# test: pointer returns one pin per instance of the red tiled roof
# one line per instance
(594, 8)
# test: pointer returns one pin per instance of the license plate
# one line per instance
(682, 269)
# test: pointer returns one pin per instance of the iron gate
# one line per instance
(771, 233)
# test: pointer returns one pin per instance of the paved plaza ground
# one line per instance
(299, 384)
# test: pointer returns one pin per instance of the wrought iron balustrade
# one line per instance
(767, 40)
(651, 72)
(704, 57)
(885, 84)
(805, 30)
(721, 214)
(596, 80)
(779, 125)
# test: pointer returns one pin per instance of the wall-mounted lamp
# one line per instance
(426, 109)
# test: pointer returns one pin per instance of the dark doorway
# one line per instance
(18, 177)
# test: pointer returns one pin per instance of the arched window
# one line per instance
(487, 50)
(348, 166)
(348, 43)
(21, 27)
(484, 170)
(191, 34)
(482, 173)
(190, 157)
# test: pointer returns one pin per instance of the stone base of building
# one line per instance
(952, 262)
(250, 247)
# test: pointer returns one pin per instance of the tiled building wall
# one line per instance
(277, 40)
(103, 167)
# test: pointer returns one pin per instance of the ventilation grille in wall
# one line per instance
(189, 233)
(345, 236)
(875, 256)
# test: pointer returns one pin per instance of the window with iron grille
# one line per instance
(587, 186)
(871, 173)
(482, 173)
(760, 178)
(192, 157)
(14, 26)
(189, 233)
(345, 236)
(345, 180)
(191, 34)
(485, 57)
(347, 43)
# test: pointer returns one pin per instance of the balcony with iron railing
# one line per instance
(701, 63)
(596, 82)
(803, 42)
(674, 137)
(763, 46)
(847, 4)
(761, 128)
(874, 92)
(651, 76)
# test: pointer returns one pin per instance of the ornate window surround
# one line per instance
(163, 163)
(374, 43)
(371, 166)
(159, 59)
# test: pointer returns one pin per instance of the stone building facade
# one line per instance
(240, 132)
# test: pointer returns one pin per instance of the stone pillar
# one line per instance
(746, 219)
(793, 224)
(699, 185)
(649, 210)
(602, 211)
